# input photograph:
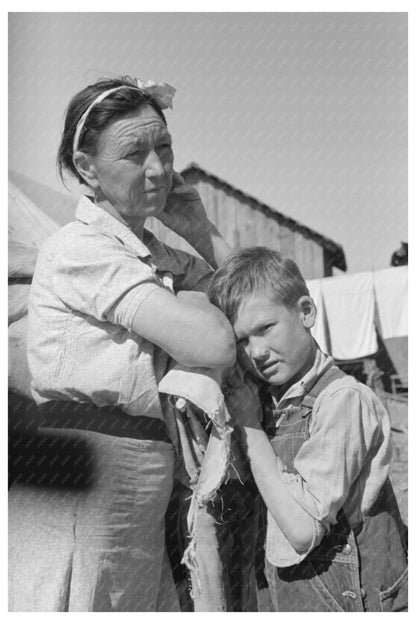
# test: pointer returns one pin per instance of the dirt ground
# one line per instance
(398, 410)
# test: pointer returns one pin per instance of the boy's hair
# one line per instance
(256, 269)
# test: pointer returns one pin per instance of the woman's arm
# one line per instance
(185, 214)
(98, 277)
(194, 298)
(191, 330)
(210, 245)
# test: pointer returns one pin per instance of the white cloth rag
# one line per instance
(201, 387)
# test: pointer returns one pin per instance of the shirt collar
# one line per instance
(87, 212)
(299, 389)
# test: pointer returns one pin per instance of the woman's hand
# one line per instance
(184, 212)
(241, 398)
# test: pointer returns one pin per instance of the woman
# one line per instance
(109, 305)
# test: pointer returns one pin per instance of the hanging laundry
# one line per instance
(320, 330)
(392, 301)
(350, 311)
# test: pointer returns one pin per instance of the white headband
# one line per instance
(161, 92)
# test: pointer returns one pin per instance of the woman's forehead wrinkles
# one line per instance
(139, 124)
(139, 132)
(132, 134)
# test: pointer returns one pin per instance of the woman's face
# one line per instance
(134, 165)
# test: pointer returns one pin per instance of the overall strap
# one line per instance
(330, 375)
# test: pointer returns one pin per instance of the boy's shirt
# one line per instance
(344, 462)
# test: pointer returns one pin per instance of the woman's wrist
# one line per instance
(197, 236)
(210, 245)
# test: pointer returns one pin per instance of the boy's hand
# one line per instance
(242, 400)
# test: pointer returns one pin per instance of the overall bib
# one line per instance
(359, 568)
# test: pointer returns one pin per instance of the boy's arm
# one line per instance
(297, 525)
(347, 453)
(349, 437)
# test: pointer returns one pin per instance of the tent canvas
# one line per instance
(27, 223)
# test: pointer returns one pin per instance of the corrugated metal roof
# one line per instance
(334, 250)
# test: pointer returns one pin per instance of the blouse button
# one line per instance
(347, 549)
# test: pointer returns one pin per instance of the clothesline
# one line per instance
(352, 307)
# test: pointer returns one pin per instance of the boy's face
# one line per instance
(273, 341)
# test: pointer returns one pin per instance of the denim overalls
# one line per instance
(360, 568)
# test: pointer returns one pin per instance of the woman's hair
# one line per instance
(256, 270)
(115, 105)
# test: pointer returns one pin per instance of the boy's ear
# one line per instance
(307, 309)
(85, 168)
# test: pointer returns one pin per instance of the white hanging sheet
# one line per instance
(319, 330)
(391, 291)
(349, 304)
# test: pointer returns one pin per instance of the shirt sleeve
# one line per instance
(345, 432)
(192, 273)
(99, 277)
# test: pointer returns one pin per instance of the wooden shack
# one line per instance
(244, 221)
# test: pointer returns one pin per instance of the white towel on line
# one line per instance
(350, 311)
(391, 291)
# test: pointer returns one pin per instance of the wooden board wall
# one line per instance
(243, 224)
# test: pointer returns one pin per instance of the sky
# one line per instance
(305, 111)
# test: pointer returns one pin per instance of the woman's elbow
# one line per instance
(214, 349)
(225, 352)
(219, 350)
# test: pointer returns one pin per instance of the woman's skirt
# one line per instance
(86, 526)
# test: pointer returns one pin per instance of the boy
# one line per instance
(319, 452)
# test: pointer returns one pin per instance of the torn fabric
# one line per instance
(206, 457)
